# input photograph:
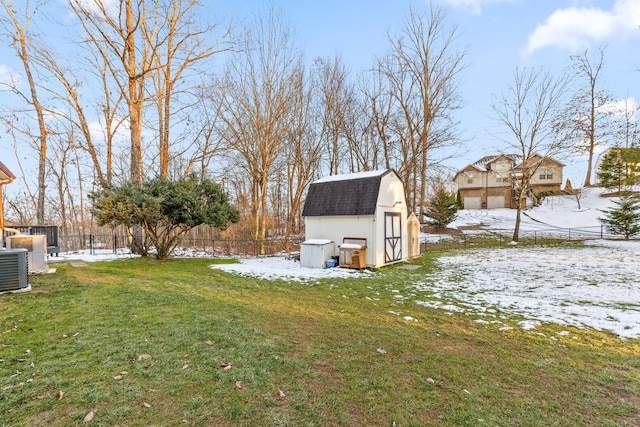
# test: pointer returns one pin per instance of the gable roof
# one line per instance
(347, 194)
(483, 165)
(537, 160)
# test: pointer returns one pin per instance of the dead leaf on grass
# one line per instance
(186, 365)
(89, 417)
(60, 394)
(431, 380)
(210, 342)
(281, 393)
(239, 384)
(146, 405)
(118, 377)
(144, 357)
(381, 351)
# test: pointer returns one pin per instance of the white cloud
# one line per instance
(8, 76)
(473, 6)
(623, 108)
(576, 27)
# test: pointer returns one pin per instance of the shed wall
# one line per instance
(338, 227)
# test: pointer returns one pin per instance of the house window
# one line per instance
(502, 178)
(470, 178)
(546, 174)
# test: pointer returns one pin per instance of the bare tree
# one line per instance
(116, 34)
(422, 69)
(587, 120)
(335, 93)
(627, 129)
(260, 84)
(17, 27)
(183, 44)
(303, 152)
(529, 110)
(378, 105)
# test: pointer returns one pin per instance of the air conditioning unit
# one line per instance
(14, 270)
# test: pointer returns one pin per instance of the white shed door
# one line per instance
(495, 202)
(392, 236)
(472, 202)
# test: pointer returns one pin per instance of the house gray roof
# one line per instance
(349, 194)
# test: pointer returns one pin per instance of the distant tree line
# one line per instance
(139, 89)
(152, 90)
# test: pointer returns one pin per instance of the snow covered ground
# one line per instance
(597, 286)
(558, 212)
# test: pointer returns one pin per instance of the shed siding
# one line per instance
(337, 228)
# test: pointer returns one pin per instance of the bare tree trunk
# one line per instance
(21, 46)
(421, 69)
(529, 111)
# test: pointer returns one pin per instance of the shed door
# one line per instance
(392, 236)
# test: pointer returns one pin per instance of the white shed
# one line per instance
(364, 205)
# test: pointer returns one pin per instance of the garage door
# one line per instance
(472, 202)
(495, 202)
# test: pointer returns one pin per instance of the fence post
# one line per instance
(91, 244)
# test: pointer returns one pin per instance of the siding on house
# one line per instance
(489, 182)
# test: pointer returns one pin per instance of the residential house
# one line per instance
(492, 181)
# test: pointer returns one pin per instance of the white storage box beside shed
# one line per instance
(314, 253)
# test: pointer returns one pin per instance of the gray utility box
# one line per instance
(14, 270)
(314, 253)
(36, 247)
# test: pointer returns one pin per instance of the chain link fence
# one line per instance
(118, 241)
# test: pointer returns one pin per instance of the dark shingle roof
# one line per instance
(344, 196)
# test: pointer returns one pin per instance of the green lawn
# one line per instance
(141, 342)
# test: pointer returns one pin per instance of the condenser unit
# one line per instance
(14, 270)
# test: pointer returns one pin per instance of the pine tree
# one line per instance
(624, 218)
(441, 207)
(620, 168)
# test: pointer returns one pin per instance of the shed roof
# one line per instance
(347, 194)
(5, 173)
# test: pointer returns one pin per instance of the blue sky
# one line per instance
(499, 35)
